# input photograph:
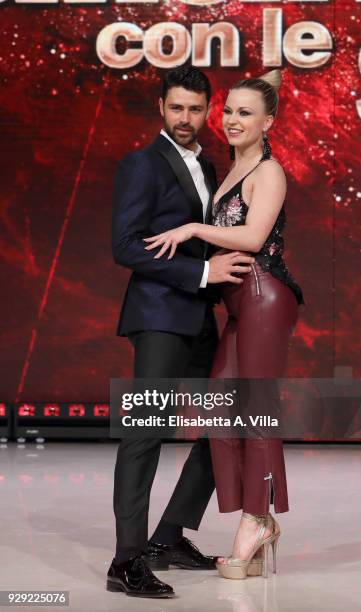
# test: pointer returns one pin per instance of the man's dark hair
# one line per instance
(190, 78)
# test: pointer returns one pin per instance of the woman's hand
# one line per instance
(170, 239)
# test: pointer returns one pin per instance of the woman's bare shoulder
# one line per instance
(271, 168)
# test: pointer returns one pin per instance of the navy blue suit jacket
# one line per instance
(154, 192)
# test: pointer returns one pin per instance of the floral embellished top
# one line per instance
(231, 210)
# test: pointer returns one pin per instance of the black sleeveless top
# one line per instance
(231, 210)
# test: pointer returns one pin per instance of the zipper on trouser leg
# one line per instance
(258, 288)
(271, 489)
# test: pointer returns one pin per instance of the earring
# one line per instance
(267, 151)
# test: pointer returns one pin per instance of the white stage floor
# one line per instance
(57, 532)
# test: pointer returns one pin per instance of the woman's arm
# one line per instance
(267, 198)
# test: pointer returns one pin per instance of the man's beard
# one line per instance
(184, 139)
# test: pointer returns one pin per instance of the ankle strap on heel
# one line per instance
(258, 518)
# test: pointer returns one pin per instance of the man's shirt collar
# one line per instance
(182, 150)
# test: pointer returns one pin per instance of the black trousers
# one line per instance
(164, 355)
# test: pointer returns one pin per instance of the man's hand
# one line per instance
(224, 267)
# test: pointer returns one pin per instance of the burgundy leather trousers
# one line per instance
(250, 473)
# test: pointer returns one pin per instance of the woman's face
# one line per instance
(244, 117)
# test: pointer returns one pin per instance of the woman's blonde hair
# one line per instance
(268, 85)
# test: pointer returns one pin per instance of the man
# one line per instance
(167, 315)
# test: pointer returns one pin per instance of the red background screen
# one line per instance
(66, 120)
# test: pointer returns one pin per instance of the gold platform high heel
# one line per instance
(238, 569)
(255, 568)
(276, 535)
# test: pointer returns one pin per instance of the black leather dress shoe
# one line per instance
(134, 578)
(184, 555)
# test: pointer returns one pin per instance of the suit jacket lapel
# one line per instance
(211, 185)
(183, 175)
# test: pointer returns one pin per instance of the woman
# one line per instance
(249, 215)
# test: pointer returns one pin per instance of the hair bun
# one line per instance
(273, 77)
